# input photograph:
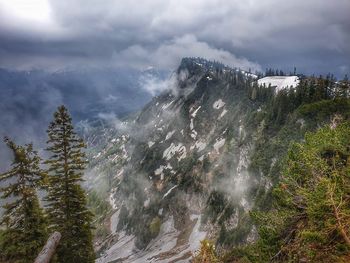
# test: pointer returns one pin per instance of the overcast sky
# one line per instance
(313, 35)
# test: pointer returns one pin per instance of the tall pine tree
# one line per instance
(25, 233)
(67, 207)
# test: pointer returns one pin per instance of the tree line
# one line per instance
(28, 220)
(309, 90)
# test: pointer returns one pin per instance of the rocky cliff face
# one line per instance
(192, 163)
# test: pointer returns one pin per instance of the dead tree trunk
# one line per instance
(49, 249)
(338, 217)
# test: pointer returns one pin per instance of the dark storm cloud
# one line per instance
(311, 35)
(29, 99)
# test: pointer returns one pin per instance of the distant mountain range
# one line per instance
(29, 98)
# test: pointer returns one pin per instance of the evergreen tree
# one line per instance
(25, 233)
(67, 204)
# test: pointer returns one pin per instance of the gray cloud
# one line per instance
(312, 35)
(29, 99)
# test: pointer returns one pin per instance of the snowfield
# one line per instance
(280, 82)
(218, 144)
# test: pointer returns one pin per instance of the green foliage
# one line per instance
(100, 208)
(155, 226)
(189, 180)
(236, 236)
(320, 111)
(206, 253)
(25, 232)
(311, 216)
(67, 204)
(216, 204)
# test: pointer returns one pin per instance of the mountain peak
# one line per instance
(197, 62)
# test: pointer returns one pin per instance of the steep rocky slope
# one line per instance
(195, 161)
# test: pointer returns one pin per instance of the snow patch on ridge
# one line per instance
(218, 104)
(160, 170)
(112, 200)
(280, 82)
(114, 221)
(173, 149)
(169, 135)
(146, 202)
(194, 114)
(165, 106)
(218, 144)
(200, 145)
(169, 191)
(194, 133)
(224, 111)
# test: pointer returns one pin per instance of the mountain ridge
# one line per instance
(211, 150)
